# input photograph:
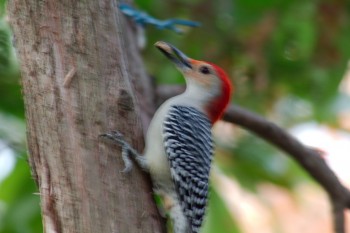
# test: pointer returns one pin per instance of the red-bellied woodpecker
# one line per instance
(179, 145)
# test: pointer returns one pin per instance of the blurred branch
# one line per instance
(309, 158)
(142, 18)
(18, 147)
(338, 215)
(165, 92)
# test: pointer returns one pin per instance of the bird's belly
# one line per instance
(159, 169)
(157, 161)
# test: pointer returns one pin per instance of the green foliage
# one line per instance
(278, 52)
(19, 207)
(270, 48)
(253, 161)
(10, 94)
(289, 53)
(7, 62)
(2, 8)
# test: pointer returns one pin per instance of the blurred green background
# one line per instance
(286, 58)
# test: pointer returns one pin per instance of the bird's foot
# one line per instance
(118, 137)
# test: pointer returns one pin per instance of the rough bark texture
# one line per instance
(78, 60)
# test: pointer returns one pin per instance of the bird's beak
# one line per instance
(175, 55)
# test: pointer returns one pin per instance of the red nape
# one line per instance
(217, 107)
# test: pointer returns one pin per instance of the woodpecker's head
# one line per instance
(208, 82)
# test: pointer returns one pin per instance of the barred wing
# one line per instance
(189, 147)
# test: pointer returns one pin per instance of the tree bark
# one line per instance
(78, 62)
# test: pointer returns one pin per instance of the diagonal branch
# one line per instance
(307, 157)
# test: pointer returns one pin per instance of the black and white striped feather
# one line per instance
(189, 147)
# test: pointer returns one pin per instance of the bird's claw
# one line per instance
(119, 137)
(126, 170)
(115, 136)
(127, 160)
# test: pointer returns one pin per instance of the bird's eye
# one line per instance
(204, 70)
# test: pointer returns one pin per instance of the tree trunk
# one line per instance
(78, 63)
